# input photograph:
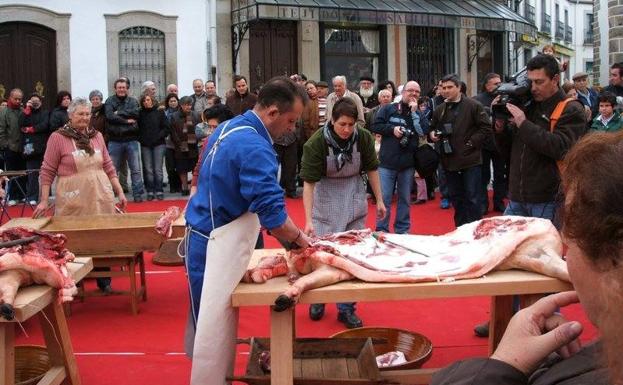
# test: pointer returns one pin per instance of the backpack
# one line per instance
(553, 120)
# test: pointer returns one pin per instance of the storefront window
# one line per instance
(352, 53)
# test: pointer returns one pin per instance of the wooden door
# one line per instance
(272, 50)
(28, 60)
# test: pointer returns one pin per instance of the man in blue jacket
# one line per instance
(401, 126)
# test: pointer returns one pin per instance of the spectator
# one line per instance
(399, 124)
(213, 100)
(323, 89)
(570, 92)
(310, 117)
(334, 159)
(175, 185)
(3, 104)
(98, 114)
(183, 124)
(340, 91)
(286, 147)
(460, 125)
(490, 153)
(586, 95)
(241, 99)
(152, 124)
(171, 89)
(539, 345)
(199, 100)
(367, 94)
(212, 116)
(389, 85)
(123, 133)
(149, 88)
(323, 92)
(58, 116)
(615, 80)
(77, 158)
(608, 119)
(35, 128)
(10, 144)
(210, 88)
(384, 99)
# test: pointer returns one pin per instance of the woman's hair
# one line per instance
(78, 102)
(592, 182)
(95, 93)
(169, 96)
(145, 96)
(383, 85)
(60, 96)
(550, 47)
(568, 86)
(344, 107)
(218, 111)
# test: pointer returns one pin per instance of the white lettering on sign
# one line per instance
(468, 22)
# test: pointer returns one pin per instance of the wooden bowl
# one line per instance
(416, 347)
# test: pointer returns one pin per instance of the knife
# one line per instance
(380, 238)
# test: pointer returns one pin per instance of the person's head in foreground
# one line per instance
(592, 182)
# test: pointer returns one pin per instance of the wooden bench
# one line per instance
(42, 301)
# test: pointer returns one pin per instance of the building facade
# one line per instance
(79, 46)
(608, 37)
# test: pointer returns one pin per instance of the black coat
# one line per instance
(36, 141)
(153, 127)
(118, 112)
(58, 118)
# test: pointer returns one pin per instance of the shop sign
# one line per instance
(468, 22)
(289, 13)
(529, 39)
(329, 14)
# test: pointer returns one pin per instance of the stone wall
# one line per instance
(596, 42)
(615, 32)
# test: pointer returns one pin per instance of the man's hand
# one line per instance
(397, 132)
(123, 201)
(433, 136)
(413, 106)
(131, 121)
(518, 115)
(302, 239)
(537, 331)
(381, 211)
(309, 229)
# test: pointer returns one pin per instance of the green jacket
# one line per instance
(10, 135)
(615, 124)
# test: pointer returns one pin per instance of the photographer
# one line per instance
(401, 125)
(534, 146)
(459, 127)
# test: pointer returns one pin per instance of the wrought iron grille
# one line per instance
(142, 58)
(430, 55)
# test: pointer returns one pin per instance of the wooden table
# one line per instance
(42, 300)
(500, 285)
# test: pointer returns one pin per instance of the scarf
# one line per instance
(343, 154)
(83, 139)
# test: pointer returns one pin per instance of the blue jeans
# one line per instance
(546, 210)
(442, 182)
(131, 150)
(152, 166)
(464, 190)
(402, 182)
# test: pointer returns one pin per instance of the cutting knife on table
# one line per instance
(383, 239)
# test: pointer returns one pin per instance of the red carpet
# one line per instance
(115, 347)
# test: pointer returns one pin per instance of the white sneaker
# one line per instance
(32, 203)
(12, 202)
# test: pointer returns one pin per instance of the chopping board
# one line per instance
(35, 224)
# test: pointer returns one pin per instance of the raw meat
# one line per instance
(41, 262)
(470, 251)
(267, 268)
(164, 224)
(390, 359)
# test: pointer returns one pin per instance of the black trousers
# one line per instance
(500, 178)
(14, 161)
(175, 185)
(288, 158)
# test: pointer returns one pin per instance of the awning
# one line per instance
(485, 15)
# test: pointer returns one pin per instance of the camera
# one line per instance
(516, 91)
(444, 136)
(406, 136)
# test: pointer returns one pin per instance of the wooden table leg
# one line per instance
(501, 313)
(281, 347)
(58, 341)
(529, 299)
(7, 353)
(133, 293)
(141, 266)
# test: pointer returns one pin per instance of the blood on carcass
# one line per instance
(488, 226)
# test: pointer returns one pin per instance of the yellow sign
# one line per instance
(561, 49)
(529, 39)
(39, 88)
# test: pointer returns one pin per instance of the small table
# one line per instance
(43, 301)
(500, 285)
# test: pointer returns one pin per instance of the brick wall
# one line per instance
(615, 32)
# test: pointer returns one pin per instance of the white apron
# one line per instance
(228, 254)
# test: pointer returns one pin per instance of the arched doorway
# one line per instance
(28, 60)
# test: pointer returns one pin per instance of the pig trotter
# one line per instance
(283, 302)
(7, 312)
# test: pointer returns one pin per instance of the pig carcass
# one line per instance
(164, 225)
(470, 251)
(40, 262)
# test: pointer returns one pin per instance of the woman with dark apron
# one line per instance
(335, 160)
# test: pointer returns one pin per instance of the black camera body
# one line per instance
(516, 91)
(444, 135)
(406, 136)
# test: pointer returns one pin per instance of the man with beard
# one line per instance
(366, 93)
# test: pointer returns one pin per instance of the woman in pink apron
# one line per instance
(76, 156)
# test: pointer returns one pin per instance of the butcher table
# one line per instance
(500, 285)
(43, 300)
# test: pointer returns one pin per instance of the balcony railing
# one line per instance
(546, 23)
(568, 34)
(588, 36)
(530, 13)
(560, 30)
